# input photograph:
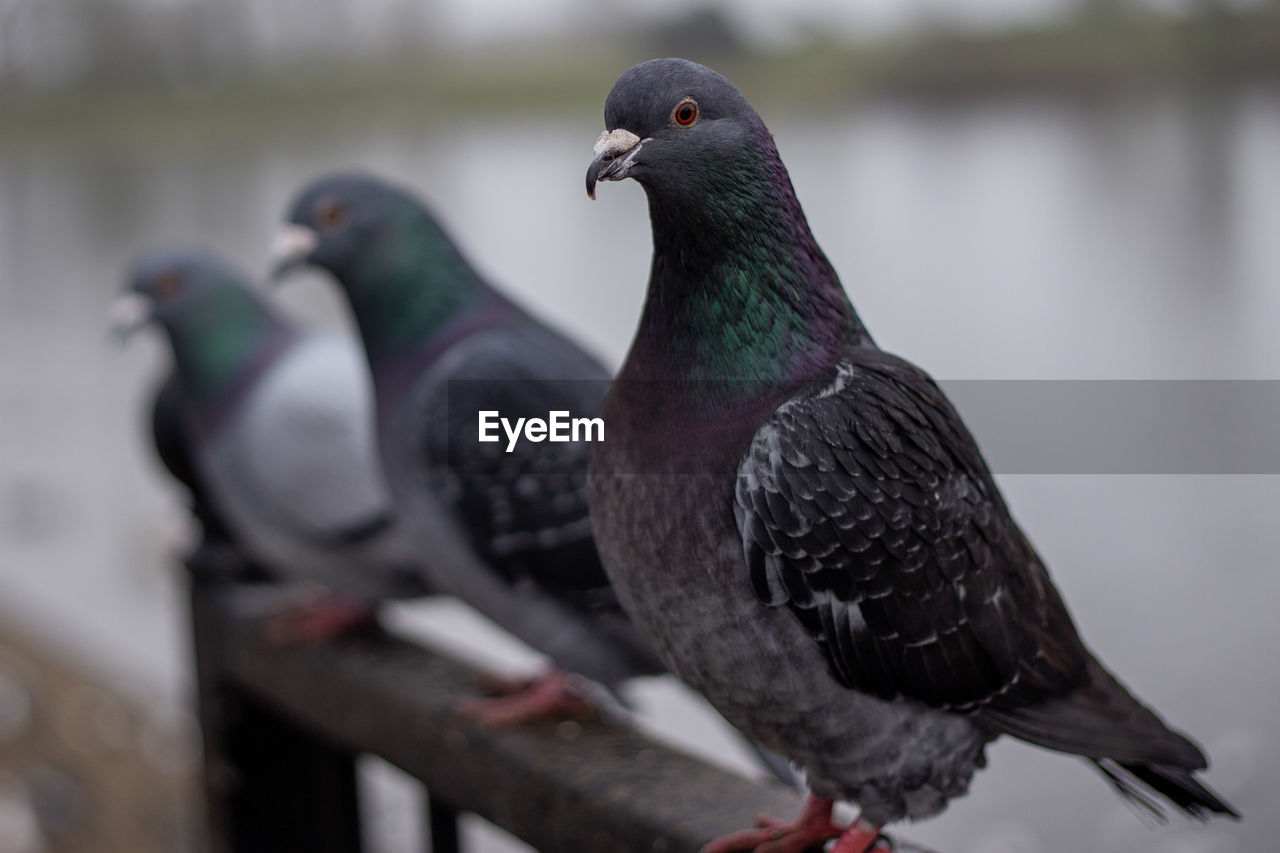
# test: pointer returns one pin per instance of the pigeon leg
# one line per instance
(501, 685)
(859, 838)
(319, 622)
(547, 697)
(807, 832)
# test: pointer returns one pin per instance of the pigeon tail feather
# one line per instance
(1100, 720)
(1137, 782)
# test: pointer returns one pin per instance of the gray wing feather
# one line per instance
(866, 508)
(511, 532)
(309, 442)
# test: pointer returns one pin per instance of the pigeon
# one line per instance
(271, 429)
(174, 445)
(217, 553)
(802, 525)
(505, 528)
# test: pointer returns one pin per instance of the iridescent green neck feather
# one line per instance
(408, 284)
(739, 288)
(220, 338)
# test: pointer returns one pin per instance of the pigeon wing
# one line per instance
(312, 451)
(866, 508)
(524, 506)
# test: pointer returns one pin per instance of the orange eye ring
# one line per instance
(331, 214)
(686, 113)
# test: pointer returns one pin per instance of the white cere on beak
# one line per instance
(610, 164)
(129, 313)
(615, 142)
(292, 244)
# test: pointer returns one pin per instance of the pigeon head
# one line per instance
(214, 318)
(397, 267)
(338, 220)
(669, 123)
(738, 286)
(175, 288)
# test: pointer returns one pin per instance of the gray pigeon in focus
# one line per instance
(271, 428)
(507, 532)
(801, 523)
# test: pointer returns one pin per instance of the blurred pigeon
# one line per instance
(174, 443)
(801, 523)
(271, 429)
(505, 527)
(216, 553)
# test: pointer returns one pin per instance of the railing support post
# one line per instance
(269, 783)
(442, 826)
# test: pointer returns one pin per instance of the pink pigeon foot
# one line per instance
(319, 622)
(807, 832)
(548, 697)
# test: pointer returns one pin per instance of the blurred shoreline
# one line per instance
(1084, 56)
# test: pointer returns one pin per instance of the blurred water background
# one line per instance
(1010, 189)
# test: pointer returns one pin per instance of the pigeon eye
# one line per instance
(169, 284)
(685, 113)
(331, 214)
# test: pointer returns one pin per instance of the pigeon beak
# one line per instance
(130, 312)
(616, 152)
(292, 248)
